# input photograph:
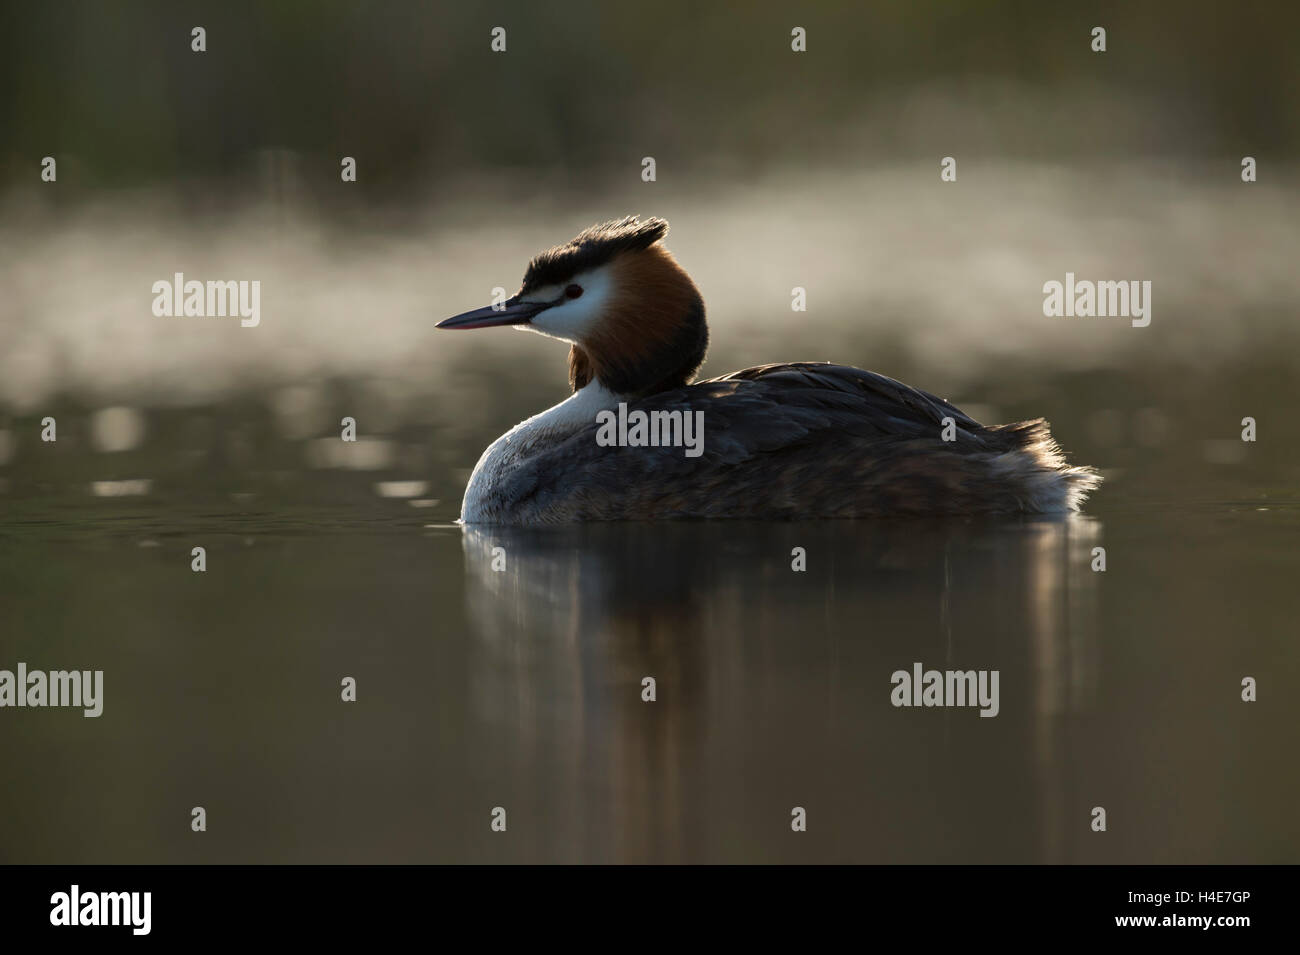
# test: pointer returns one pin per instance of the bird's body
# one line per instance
(787, 441)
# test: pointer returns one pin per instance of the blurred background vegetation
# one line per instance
(412, 89)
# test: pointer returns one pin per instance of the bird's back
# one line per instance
(800, 441)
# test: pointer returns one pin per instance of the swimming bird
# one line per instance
(784, 441)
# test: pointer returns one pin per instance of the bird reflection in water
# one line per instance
(772, 686)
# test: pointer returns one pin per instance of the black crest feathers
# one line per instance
(591, 248)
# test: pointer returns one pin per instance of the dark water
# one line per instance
(522, 688)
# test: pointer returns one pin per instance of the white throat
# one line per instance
(513, 450)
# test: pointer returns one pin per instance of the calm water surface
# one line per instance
(522, 688)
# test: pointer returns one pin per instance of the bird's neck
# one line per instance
(643, 367)
(575, 412)
(653, 336)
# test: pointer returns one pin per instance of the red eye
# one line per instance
(573, 291)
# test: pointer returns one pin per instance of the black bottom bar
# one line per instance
(337, 902)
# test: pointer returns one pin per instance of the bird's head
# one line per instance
(632, 315)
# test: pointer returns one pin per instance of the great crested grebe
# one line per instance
(788, 441)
